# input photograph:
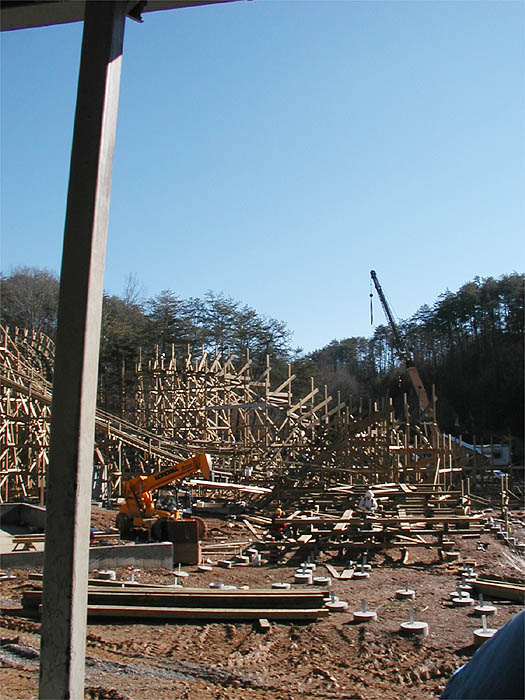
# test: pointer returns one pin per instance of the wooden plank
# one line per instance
(347, 575)
(252, 529)
(211, 596)
(496, 589)
(258, 520)
(404, 545)
(381, 520)
(409, 540)
(227, 486)
(204, 613)
(303, 539)
(342, 526)
(225, 545)
(332, 571)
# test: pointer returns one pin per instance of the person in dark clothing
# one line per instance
(277, 528)
(496, 671)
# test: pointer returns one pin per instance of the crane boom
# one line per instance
(165, 476)
(404, 353)
(401, 347)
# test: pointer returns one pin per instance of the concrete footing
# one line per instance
(481, 635)
(485, 610)
(336, 605)
(303, 577)
(142, 556)
(365, 616)
(414, 628)
(361, 574)
(463, 602)
(405, 594)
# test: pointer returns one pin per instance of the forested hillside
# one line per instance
(468, 344)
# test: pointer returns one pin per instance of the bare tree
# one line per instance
(29, 299)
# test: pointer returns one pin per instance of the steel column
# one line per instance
(63, 640)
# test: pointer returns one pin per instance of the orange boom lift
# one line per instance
(138, 517)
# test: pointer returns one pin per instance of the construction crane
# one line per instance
(425, 405)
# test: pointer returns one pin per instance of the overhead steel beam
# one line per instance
(24, 14)
(68, 506)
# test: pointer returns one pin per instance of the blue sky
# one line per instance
(277, 151)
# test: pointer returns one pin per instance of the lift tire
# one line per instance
(156, 531)
(125, 525)
(202, 530)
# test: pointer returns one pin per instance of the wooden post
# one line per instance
(475, 466)
(63, 637)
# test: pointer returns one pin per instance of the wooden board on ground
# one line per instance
(215, 614)
(347, 575)
(504, 591)
(332, 571)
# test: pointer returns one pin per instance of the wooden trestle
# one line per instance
(258, 433)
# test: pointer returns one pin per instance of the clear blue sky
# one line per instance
(277, 151)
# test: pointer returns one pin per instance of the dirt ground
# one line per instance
(330, 658)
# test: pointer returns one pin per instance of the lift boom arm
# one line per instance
(137, 491)
(165, 476)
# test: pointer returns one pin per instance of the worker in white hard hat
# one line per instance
(368, 505)
(368, 502)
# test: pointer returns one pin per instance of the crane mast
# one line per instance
(404, 354)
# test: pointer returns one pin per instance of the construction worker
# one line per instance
(277, 528)
(368, 502)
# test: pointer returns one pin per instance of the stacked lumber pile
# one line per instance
(192, 604)
(510, 589)
(408, 516)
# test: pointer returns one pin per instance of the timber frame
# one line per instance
(257, 433)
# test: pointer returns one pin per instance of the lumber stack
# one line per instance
(189, 604)
(408, 517)
(504, 590)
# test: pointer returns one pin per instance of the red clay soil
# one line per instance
(330, 658)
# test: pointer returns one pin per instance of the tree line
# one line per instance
(468, 344)
(213, 323)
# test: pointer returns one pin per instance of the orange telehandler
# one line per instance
(139, 518)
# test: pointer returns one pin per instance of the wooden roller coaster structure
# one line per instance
(258, 433)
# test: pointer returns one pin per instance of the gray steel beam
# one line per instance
(63, 638)
(23, 14)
